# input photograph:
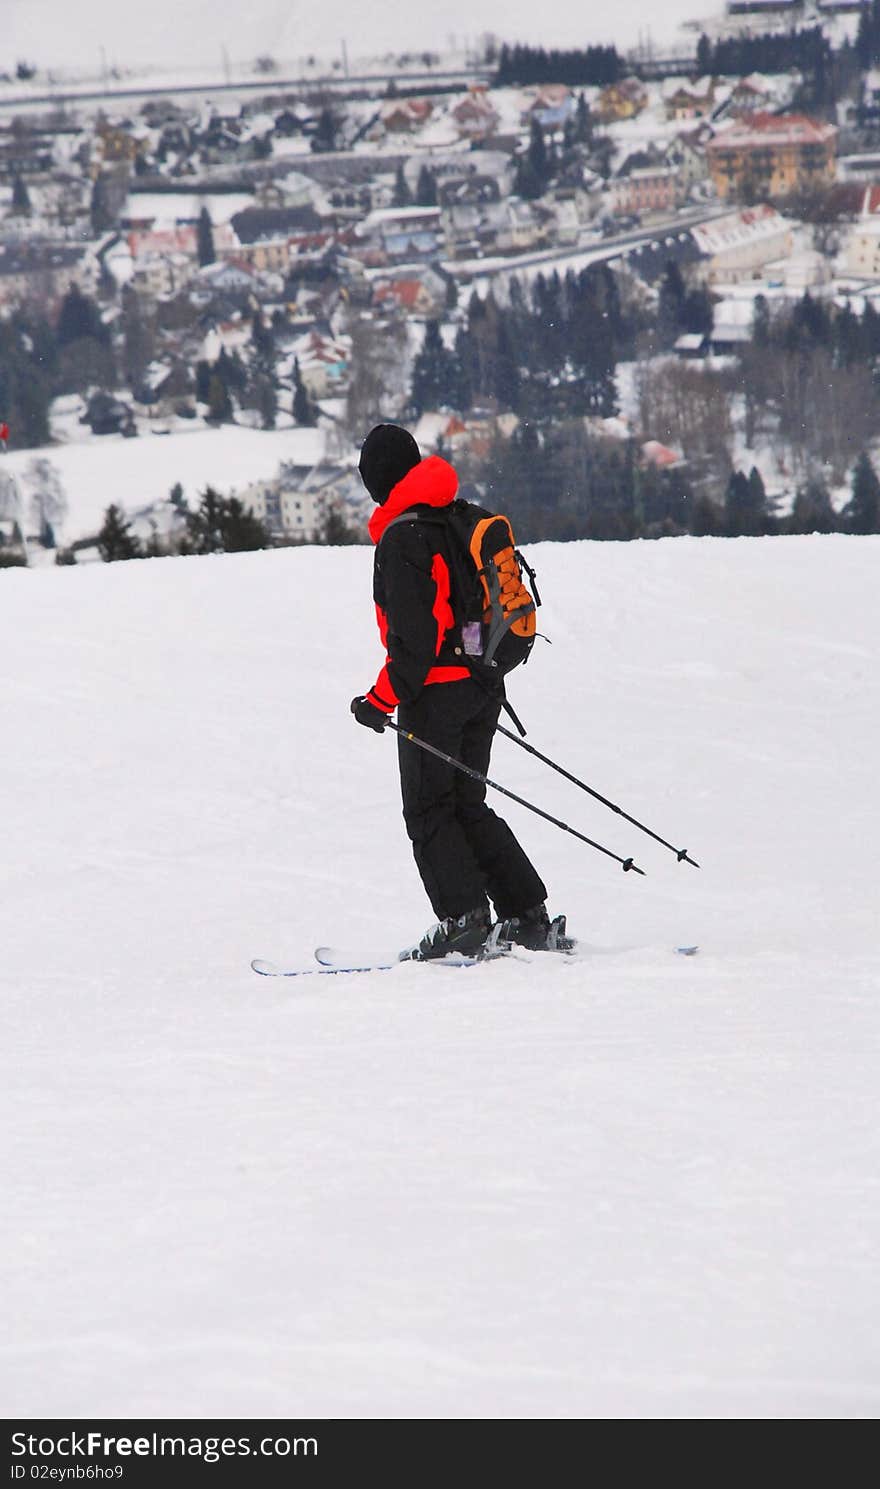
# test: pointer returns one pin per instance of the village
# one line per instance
(282, 260)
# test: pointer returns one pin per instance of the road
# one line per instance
(469, 269)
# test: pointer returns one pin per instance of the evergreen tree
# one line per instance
(241, 531)
(706, 520)
(670, 304)
(435, 376)
(21, 201)
(224, 525)
(334, 531)
(304, 410)
(220, 409)
(261, 388)
(402, 194)
(758, 497)
(426, 188)
(326, 136)
(101, 211)
(697, 315)
(203, 381)
(205, 238)
(743, 507)
(116, 541)
(583, 123)
(537, 153)
(267, 402)
(79, 318)
(761, 321)
(862, 513)
(812, 511)
(137, 339)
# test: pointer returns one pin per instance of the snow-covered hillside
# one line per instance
(626, 1184)
(139, 473)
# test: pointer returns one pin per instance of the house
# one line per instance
(467, 230)
(473, 188)
(687, 154)
(160, 275)
(405, 115)
(861, 252)
(691, 344)
(227, 276)
(656, 188)
(106, 414)
(162, 383)
(45, 271)
(732, 326)
(474, 116)
(750, 95)
(688, 101)
(438, 429)
(661, 457)
(116, 145)
(772, 155)
(402, 233)
(323, 362)
(517, 227)
(264, 256)
(739, 245)
(296, 502)
(622, 100)
(552, 106)
(422, 294)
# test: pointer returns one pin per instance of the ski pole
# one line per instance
(681, 853)
(477, 776)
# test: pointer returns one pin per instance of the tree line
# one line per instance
(563, 482)
(579, 67)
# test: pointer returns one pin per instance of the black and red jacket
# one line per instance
(412, 588)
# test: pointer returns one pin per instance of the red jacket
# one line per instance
(411, 589)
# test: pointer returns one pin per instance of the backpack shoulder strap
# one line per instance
(414, 514)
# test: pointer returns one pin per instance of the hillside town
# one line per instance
(632, 295)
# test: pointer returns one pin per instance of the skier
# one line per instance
(465, 853)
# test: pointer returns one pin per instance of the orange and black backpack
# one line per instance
(494, 611)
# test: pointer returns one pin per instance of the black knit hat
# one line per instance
(387, 453)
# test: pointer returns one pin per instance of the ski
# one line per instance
(270, 969)
(330, 966)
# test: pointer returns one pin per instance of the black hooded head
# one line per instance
(388, 453)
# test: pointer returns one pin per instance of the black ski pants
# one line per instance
(463, 850)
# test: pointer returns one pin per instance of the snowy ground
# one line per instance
(134, 473)
(630, 1184)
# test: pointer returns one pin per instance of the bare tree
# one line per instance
(48, 501)
(378, 373)
(687, 407)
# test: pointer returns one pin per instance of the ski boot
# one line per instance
(534, 930)
(463, 933)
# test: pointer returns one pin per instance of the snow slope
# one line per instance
(632, 1184)
(135, 473)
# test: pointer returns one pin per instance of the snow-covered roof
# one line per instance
(763, 129)
(738, 227)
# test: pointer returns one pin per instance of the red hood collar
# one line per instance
(431, 483)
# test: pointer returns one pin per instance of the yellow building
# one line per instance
(621, 100)
(772, 155)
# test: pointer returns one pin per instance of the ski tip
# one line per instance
(687, 950)
(265, 969)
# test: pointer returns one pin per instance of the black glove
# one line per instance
(368, 714)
